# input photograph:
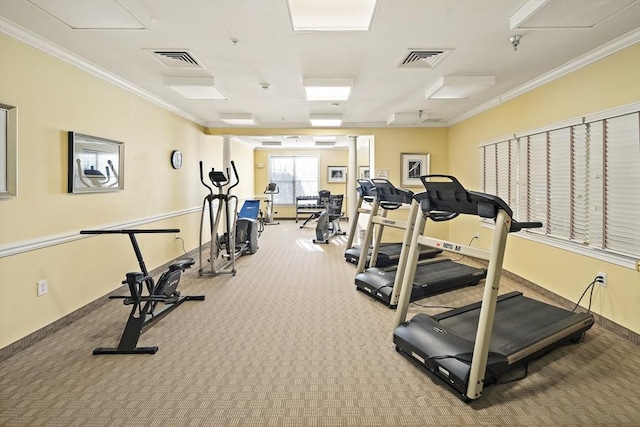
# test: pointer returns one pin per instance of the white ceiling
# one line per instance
(246, 43)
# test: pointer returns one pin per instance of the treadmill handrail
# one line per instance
(389, 194)
(443, 201)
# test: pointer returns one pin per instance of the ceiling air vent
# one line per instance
(422, 58)
(176, 59)
(325, 143)
(271, 143)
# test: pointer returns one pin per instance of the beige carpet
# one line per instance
(290, 342)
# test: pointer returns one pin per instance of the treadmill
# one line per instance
(388, 253)
(472, 346)
(430, 277)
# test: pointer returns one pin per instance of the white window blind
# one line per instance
(581, 181)
(622, 184)
(295, 176)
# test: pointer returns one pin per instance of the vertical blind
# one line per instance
(582, 181)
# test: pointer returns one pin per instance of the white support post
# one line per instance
(410, 270)
(226, 153)
(404, 254)
(368, 234)
(352, 175)
(488, 308)
(353, 222)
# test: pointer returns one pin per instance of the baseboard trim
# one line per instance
(40, 334)
(607, 324)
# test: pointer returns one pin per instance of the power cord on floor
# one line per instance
(183, 249)
(592, 286)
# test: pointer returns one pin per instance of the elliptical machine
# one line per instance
(267, 219)
(328, 225)
(240, 236)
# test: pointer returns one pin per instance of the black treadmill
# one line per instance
(430, 277)
(472, 346)
(388, 253)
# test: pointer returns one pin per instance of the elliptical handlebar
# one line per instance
(202, 179)
(235, 173)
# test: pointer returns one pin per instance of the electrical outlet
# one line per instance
(602, 279)
(43, 287)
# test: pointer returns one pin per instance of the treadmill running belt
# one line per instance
(431, 277)
(524, 329)
(388, 254)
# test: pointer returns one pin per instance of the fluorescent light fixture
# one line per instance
(459, 87)
(327, 89)
(328, 138)
(194, 87)
(239, 119)
(98, 14)
(323, 15)
(325, 119)
(407, 118)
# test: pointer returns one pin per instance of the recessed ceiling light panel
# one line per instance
(323, 15)
(327, 120)
(327, 89)
(98, 14)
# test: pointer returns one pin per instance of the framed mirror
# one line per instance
(95, 164)
(8, 151)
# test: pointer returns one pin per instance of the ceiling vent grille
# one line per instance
(422, 58)
(325, 143)
(271, 143)
(176, 59)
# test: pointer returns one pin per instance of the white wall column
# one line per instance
(226, 153)
(352, 175)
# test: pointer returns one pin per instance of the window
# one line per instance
(295, 176)
(581, 180)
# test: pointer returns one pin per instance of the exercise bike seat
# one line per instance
(182, 264)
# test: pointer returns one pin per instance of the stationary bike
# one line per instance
(267, 219)
(160, 299)
(328, 225)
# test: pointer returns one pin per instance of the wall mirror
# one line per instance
(95, 164)
(8, 151)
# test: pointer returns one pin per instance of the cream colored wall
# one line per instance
(390, 144)
(611, 82)
(242, 155)
(54, 97)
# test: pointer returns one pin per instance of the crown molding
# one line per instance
(614, 46)
(9, 28)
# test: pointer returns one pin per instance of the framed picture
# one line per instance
(95, 164)
(8, 151)
(337, 174)
(363, 172)
(412, 167)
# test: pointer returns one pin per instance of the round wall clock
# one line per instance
(176, 159)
